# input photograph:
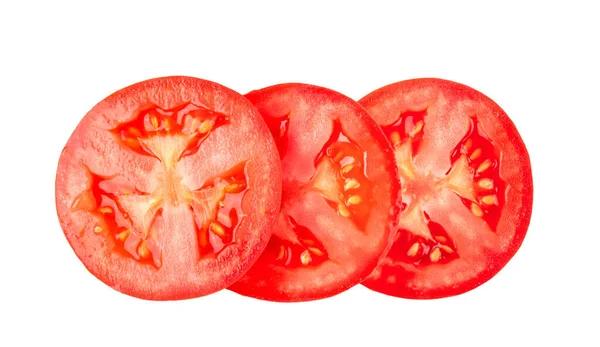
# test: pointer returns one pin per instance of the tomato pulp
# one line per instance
(466, 188)
(168, 189)
(340, 195)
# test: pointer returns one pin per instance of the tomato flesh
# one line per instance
(340, 195)
(149, 202)
(466, 188)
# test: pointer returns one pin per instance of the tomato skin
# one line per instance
(410, 281)
(311, 106)
(183, 273)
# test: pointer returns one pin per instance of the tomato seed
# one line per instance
(338, 157)
(441, 239)
(168, 124)
(105, 210)
(281, 253)
(123, 235)
(133, 143)
(205, 127)
(305, 258)
(234, 188)
(413, 250)
(351, 183)
(217, 228)
(435, 255)
(308, 242)
(143, 250)
(347, 168)
(395, 138)
(468, 144)
(154, 121)
(489, 199)
(343, 210)
(476, 153)
(486, 183)
(354, 200)
(417, 129)
(484, 166)
(135, 132)
(98, 229)
(316, 251)
(476, 210)
(446, 249)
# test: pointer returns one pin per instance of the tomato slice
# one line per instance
(466, 188)
(340, 195)
(168, 189)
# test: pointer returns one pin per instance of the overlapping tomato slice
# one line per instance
(340, 195)
(168, 189)
(466, 187)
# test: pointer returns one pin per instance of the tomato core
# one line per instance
(168, 136)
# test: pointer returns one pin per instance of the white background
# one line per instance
(538, 61)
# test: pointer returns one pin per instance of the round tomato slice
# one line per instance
(340, 195)
(466, 188)
(168, 189)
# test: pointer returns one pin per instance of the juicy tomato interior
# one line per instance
(148, 202)
(339, 198)
(466, 188)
